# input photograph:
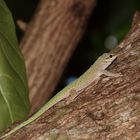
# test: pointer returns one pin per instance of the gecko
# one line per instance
(91, 75)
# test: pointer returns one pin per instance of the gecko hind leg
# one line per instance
(72, 96)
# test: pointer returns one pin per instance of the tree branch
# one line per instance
(50, 40)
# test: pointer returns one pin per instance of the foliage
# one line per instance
(14, 102)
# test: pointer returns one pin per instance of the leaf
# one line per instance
(14, 102)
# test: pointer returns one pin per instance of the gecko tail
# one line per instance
(15, 129)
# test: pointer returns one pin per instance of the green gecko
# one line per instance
(91, 75)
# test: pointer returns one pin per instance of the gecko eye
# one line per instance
(111, 56)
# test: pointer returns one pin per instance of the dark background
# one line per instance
(109, 23)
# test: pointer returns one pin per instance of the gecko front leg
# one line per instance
(110, 74)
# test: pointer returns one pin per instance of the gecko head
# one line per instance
(107, 59)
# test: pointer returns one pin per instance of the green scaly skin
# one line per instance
(91, 75)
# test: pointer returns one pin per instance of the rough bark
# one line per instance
(49, 42)
(109, 110)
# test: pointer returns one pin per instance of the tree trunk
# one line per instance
(50, 40)
(109, 110)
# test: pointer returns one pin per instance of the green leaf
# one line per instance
(14, 102)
